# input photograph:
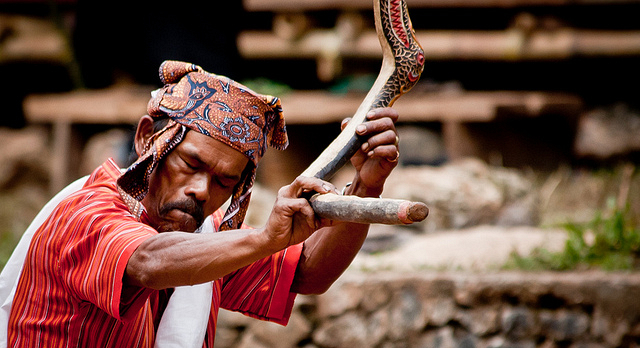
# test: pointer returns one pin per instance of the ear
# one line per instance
(143, 133)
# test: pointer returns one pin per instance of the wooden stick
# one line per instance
(402, 64)
(368, 210)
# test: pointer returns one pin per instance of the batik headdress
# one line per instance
(213, 105)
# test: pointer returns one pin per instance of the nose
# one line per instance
(198, 187)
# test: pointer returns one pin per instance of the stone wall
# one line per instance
(434, 309)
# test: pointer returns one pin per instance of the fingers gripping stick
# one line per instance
(402, 64)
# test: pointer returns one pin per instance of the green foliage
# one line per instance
(610, 241)
(7, 243)
(265, 86)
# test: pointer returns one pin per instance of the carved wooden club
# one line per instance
(402, 64)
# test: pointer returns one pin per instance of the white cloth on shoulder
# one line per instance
(184, 322)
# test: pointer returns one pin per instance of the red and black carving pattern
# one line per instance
(400, 72)
(409, 55)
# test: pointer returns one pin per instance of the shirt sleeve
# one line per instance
(93, 262)
(262, 289)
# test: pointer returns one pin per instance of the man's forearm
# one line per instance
(173, 259)
(325, 256)
(329, 251)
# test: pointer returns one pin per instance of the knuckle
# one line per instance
(298, 182)
(283, 190)
(388, 122)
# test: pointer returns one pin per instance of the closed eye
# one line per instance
(189, 164)
(227, 182)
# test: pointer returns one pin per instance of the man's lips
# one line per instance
(183, 210)
(183, 213)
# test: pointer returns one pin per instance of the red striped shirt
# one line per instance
(69, 292)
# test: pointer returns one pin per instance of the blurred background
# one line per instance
(521, 136)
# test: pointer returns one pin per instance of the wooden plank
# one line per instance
(116, 105)
(31, 39)
(126, 105)
(311, 107)
(505, 45)
(310, 5)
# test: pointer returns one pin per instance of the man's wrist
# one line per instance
(355, 188)
(266, 241)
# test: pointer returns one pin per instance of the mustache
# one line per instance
(188, 206)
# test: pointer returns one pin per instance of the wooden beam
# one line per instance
(116, 105)
(505, 45)
(31, 39)
(310, 5)
(310, 107)
(122, 105)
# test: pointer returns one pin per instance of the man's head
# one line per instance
(217, 132)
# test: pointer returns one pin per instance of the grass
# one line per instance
(611, 241)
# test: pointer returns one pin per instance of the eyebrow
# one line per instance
(196, 156)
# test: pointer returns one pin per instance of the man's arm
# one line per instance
(173, 259)
(329, 251)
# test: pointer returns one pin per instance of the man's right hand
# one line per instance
(292, 219)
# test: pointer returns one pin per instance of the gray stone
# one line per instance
(522, 211)
(396, 344)
(309, 345)
(480, 321)
(517, 323)
(549, 313)
(376, 295)
(275, 335)
(440, 338)
(407, 313)
(564, 325)
(340, 298)
(501, 342)
(466, 341)
(588, 345)
(466, 193)
(348, 330)
(377, 327)
(439, 311)
(605, 132)
(249, 340)
(609, 328)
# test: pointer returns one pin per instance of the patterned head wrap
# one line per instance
(213, 105)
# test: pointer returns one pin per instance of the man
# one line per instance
(102, 268)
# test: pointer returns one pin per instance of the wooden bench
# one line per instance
(126, 104)
(308, 5)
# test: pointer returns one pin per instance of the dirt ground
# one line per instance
(479, 248)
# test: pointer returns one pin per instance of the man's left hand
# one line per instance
(378, 154)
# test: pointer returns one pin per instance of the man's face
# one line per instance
(193, 181)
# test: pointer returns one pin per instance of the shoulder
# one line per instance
(98, 202)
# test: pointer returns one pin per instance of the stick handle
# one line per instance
(368, 210)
